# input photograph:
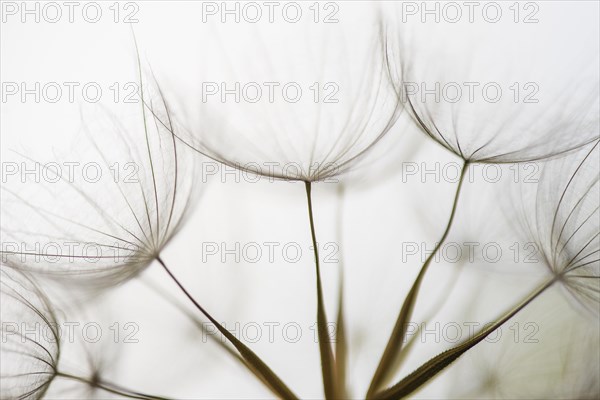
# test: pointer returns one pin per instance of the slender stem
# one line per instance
(433, 310)
(266, 375)
(396, 340)
(341, 347)
(437, 364)
(111, 388)
(327, 362)
(194, 319)
(210, 334)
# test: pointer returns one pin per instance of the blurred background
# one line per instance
(376, 223)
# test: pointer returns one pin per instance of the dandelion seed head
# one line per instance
(128, 192)
(30, 345)
(325, 98)
(504, 100)
(565, 223)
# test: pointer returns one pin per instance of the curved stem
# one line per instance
(437, 364)
(408, 344)
(111, 388)
(327, 361)
(265, 373)
(396, 339)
